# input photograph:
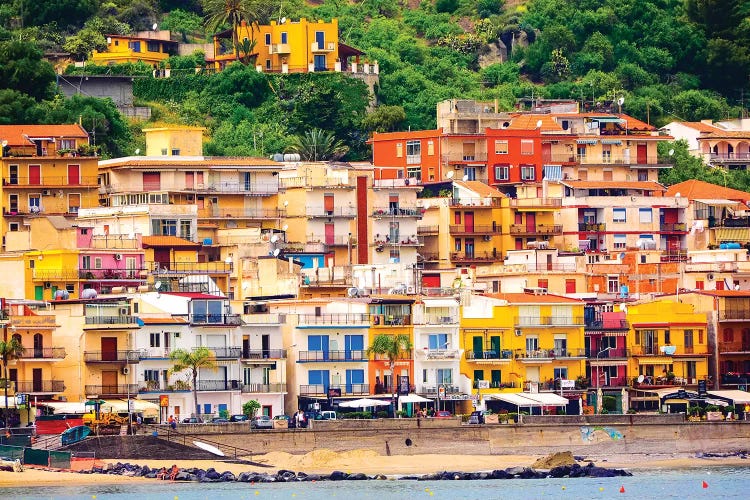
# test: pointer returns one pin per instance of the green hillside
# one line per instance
(669, 59)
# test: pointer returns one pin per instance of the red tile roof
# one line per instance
(529, 122)
(14, 134)
(187, 161)
(167, 241)
(412, 134)
(695, 189)
(700, 126)
(530, 298)
(724, 293)
(481, 189)
(725, 134)
(194, 295)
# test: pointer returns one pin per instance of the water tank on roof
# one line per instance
(62, 295)
(723, 246)
(277, 157)
(291, 157)
(88, 293)
(733, 246)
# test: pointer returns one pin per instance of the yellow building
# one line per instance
(668, 344)
(150, 47)
(291, 47)
(522, 341)
(174, 141)
(533, 220)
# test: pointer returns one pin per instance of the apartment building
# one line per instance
(149, 47)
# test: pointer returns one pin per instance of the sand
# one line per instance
(324, 461)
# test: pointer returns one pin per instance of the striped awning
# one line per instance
(612, 141)
(608, 362)
(656, 360)
(607, 333)
(738, 234)
(586, 141)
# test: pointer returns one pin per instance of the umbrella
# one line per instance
(364, 403)
(625, 402)
(599, 397)
(413, 398)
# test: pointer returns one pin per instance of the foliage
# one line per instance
(317, 145)
(392, 347)
(23, 69)
(63, 12)
(192, 361)
(384, 119)
(250, 408)
(10, 350)
(128, 69)
(182, 22)
(18, 108)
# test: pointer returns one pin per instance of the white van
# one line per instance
(328, 415)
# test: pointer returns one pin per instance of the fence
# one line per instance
(32, 456)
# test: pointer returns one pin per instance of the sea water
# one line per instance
(709, 482)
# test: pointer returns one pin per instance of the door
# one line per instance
(469, 222)
(549, 262)
(355, 380)
(189, 180)
(469, 248)
(495, 345)
(109, 382)
(206, 408)
(13, 171)
(353, 346)
(531, 222)
(39, 293)
(38, 346)
(151, 181)
(320, 63)
(265, 345)
(35, 175)
(320, 39)
(328, 203)
(37, 384)
(546, 152)
(109, 349)
(478, 347)
(319, 378)
(330, 234)
(162, 257)
(74, 175)
(641, 154)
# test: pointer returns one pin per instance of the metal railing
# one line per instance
(111, 390)
(436, 319)
(474, 229)
(43, 353)
(218, 385)
(263, 388)
(111, 320)
(334, 319)
(242, 213)
(647, 350)
(441, 353)
(323, 389)
(539, 229)
(501, 354)
(52, 181)
(592, 227)
(378, 212)
(475, 202)
(535, 202)
(740, 314)
(615, 353)
(212, 319)
(428, 229)
(610, 324)
(549, 321)
(351, 355)
(40, 386)
(112, 274)
(551, 353)
(224, 352)
(112, 356)
(167, 268)
(433, 389)
(264, 354)
(333, 212)
(673, 226)
(476, 256)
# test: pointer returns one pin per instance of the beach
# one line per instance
(368, 462)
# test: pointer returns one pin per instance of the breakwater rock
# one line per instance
(211, 475)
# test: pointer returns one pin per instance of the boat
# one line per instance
(75, 434)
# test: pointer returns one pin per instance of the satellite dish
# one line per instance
(539, 124)
(465, 177)
(671, 152)
(620, 101)
(137, 151)
(623, 308)
(283, 20)
(154, 26)
(109, 40)
(352, 292)
(622, 255)
(276, 252)
(228, 260)
(426, 205)
(678, 195)
(506, 124)
(286, 203)
(157, 285)
(736, 287)
(450, 174)
(641, 378)
(285, 227)
(274, 238)
(4, 143)
(245, 286)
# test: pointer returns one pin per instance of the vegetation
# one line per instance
(9, 350)
(392, 347)
(250, 408)
(192, 361)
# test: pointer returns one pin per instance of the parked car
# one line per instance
(219, 420)
(476, 417)
(239, 418)
(192, 420)
(261, 422)
(290, 422)
(328, 415)
(443, 414)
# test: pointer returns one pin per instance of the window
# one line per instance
(645, 215)
(689, 338)
(642, 175)
(457, 245)
(155, 340)
(607, 156)
(151, 375)
(74, 203)
(175, 152)
(620, 240)
(542, 283)
(430, 148)
(97, 262)
(619, 215)
(527, 172)
(501, 173)
(527, 147)
(700, 337)
(667, 337)
(268, 39)
(438, 341)
(581, 151)
(14, 226)
(67, 144)
(268, 64)
(501, 147)
(607, 175)
(444, 375)
(394, 256)
(613, 283)
(570, 286)
(728, 335)
(134, 46)
(399, 150)
(207, 311)
(284, 37)
(35, 203)
(561, 373)
(413, 152)
(317, 343)
(152, 46)
(470, 173)
(70, 287)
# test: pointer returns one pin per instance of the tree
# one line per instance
(84, 42)
(182, 22)
(193, 361)
(392, 347)
(250, 408)
(318, 145)
(231, 12)
(9, 350)
(22, 68)
(384, 119)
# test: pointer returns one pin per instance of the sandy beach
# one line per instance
(325, 461)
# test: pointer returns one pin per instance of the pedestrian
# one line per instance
(172, 422)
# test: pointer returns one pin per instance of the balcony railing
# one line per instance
(111, 390)
(436, 319)
(615, 353)
(413, 240)
(647, 350)
(40, 386)
(335, 240)
(551, 266)
(242, 213)
(253, 188)
(535, 202)
(550, 353)
(425, 230)
(346, 390)
(380, 212)
(592, 227)
(494, 384)
(212, 319)
(351, 355)
(475, 202)
(481, 355)
(263, 388)
(111, 320)
(474, 257)
(592, 159)
(390, 320)
(52, 181)
(263, 319)
(333, 212)
(729, 156)
(264, 354)
(610, 324)
(522, 321)
(734, 314)
(440, 353)
(54, 274)
(433, 389)
(335, 319)
(112, 274)
(474, 229)
(672, 227)
(466, 157)
(43, 353)
(540, 229)
(225, 352)
(175, 268)
(218, 385)
(112, 356)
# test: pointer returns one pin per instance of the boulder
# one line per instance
(554, 460)
(337, 475)
(357, 477)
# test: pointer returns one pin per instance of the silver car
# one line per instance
(261, 422)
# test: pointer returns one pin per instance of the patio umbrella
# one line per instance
(364, 403)
(599, 397)
(625, 402)
(413, 398)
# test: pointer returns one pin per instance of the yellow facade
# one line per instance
(519, 342)
(294, 47)
(667, 337)
(132, 49)
(174, 141)
(532, 218)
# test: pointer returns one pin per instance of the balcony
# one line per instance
(734, 315)
(218, 385)
(263, 388)
(91, 182)
(413, 240)
(338, 240)
(344, 390)
(436, 319)
(729, 157)
(522, 229)
(357, 320)
(113, 390)
(390, 320)
(211, 319)
(461, 158)
(440, 354)
(355, 355)
(616, 353)
(504, 354)
(734, 348)
(280, 48)
(673, 227)
(647, 350)
(395, 183)
(432, 390)
(305, 247)
(632, 160)
(251, 354)
(44, 354)
(535, 203)
(322, 47)
(112, 274)
(262, 319)
(711, 267)
(40, 386)
(225, 352)
(244, 188)
(428, 230)
(119, 321)
(121, 357)
(54, 275)
(241, 213)
(544, 321)
(346, 212)
(459, 229)
(475, 202)
(592, 227)
(557, 353)
(463, 257)
(337, 276)
(494, 384)
(595, 325)
(382, 212)
(175, 269)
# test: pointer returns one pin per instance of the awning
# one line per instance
(547, 398)
(732, 234)
(66, 407)
(739, 397)
(586, 141)
(608, 362)
(612, 141)
(607, 333)
(148, 408)
(11, 402)
(528, 399)
(440, 303)
(608, 119)
(718, 202)
(514, 399)
(656, 360)
(413, 398)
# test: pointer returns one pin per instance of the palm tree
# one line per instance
(9, 350)
(231, 12)
(392, 347)
(193, 360)
(318, 145)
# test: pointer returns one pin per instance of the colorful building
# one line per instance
(149, 47)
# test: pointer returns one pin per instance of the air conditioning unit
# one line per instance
(487, 237)
(410, 289)
(125, 370)
(118, 256)
(47, 284)
(124, 311)
(518, 332)
(710, 276)
(46, 192)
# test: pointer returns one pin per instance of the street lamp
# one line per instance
(598, 371)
